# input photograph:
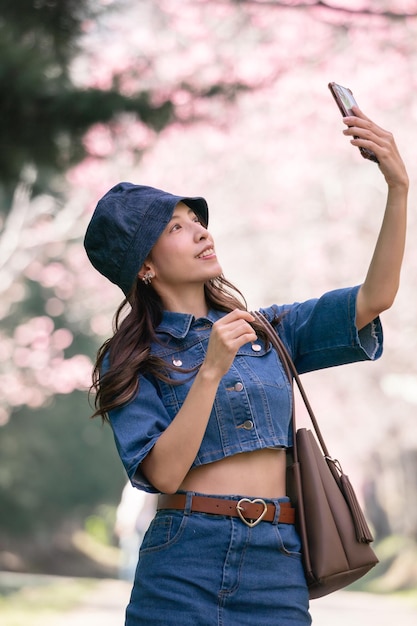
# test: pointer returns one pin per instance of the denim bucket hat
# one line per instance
(126, 224)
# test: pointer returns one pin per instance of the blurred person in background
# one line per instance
(199, 403)
(133, 516)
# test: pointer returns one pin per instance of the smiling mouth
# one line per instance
(206, 253)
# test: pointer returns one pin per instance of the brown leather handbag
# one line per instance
(334, 534)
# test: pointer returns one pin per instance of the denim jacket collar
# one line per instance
(178, 324)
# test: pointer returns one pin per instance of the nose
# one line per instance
(201, 231)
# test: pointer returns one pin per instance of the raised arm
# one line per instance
(383, 277)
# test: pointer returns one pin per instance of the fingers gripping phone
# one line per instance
(345, 101)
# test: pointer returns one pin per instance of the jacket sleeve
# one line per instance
(136, 427)
(322, 332)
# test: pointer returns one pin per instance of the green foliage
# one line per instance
(36, 45)
(56, 465)
(100, 526)
(53, 24)
(43, 116)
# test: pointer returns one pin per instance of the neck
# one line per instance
(192, 302)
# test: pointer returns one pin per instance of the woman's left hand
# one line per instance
(366, 134)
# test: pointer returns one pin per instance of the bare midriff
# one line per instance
(256, 474)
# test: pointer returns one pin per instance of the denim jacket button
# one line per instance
(247, 425)
(177, 362)
(238, 387)
(256, 347)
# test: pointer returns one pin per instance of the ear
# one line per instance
(146, 271)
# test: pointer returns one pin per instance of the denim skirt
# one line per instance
(197, 569)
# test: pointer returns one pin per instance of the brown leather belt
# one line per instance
(251, 512)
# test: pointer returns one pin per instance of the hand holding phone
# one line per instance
(345, 101)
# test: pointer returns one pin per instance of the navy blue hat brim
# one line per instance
(125, 226)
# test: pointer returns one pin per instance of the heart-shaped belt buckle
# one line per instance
(240, 509)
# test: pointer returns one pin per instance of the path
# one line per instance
(348, 608)
(105, 607)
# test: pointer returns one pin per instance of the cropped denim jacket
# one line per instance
(252, 408)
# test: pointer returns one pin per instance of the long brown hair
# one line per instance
(128, 350)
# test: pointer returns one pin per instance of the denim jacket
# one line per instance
(253, 404)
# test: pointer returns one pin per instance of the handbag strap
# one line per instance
(292, 373)
(363, 533)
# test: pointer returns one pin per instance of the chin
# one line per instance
(217, 274)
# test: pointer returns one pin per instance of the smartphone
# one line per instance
(345, 101)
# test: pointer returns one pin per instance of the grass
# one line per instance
(396, 573)
(37, 600)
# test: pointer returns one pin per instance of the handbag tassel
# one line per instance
(363, 533)
(362, 530)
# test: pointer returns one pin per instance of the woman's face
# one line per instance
(184, 253)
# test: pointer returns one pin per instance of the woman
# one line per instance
(200, 405)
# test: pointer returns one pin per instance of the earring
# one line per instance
(147, 278)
